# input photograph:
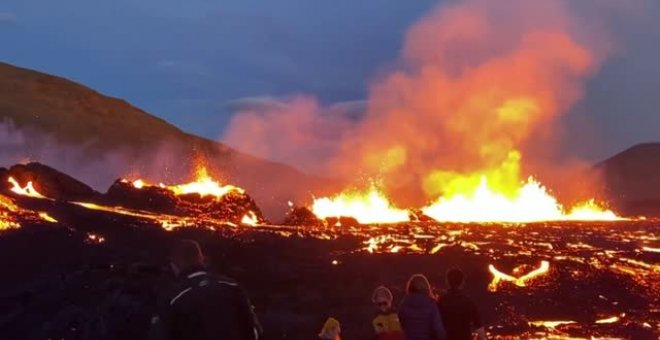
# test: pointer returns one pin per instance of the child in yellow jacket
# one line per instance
(386, 323)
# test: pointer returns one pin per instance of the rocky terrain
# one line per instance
(73, 271)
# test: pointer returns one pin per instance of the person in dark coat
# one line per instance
(202, 305)
(459, 312)
(419, 314)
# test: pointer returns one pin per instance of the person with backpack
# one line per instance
(202, 305)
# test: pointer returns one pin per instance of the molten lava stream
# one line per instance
(27, 190)
(520, 281)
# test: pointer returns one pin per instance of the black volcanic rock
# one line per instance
(631, 180)
(302, 216)
(150, 198)
(344, 221)
(49, 182)
(230, 207)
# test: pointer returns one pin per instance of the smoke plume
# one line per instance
(479, 91)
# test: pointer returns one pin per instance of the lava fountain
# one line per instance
(468, 122)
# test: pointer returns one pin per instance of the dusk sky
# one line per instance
(190, 62)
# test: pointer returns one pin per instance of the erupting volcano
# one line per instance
(459, 128)
(459, 153)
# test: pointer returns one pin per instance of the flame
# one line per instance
(476, 91)
(366, 207)
(138, 184)
(250, 218)
(203, 185)
(529, 203)
(28, 190)
(521, 281)
(495, 195)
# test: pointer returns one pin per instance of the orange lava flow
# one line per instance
(27, 190)
(7, 206)
(550, 324)
(47, 217)
(520, 281)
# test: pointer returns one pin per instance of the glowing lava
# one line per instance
(520, 281)
(27, 190)
(611, 319)
(366, 207)
(531, 203)
(203, 185)
(7, 207)
(250, 218)
(47, 217)
(494, 195)
(550, 324)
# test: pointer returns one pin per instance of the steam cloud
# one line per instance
(96, 169)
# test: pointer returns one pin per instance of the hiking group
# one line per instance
(204, 306)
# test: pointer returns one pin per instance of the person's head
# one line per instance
(382, 298)
(331, 329)
(418, 283)
(455, 278)
(186, 255)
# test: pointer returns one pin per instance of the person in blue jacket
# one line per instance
(419, 314)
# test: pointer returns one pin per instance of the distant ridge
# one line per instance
(56, 112)
(631, 180)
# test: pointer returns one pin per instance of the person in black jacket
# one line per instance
(459, 313)
(419, 315)
(202, 305)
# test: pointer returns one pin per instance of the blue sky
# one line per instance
(188, 61)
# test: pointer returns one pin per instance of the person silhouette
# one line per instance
(459, 313)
